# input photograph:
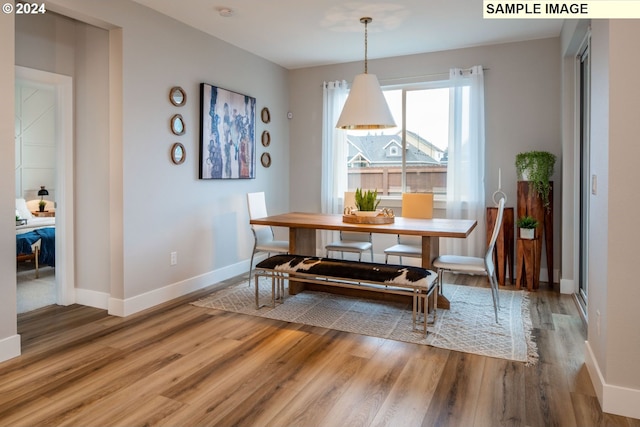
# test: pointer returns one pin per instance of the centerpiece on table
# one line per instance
(367, 202)
(366, 211)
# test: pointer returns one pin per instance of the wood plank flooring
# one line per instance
(181, 365)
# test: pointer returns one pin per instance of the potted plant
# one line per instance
(366, 201)
(527, 225)
(536, 167)
(41, 205)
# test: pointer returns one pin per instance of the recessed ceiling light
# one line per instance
(225, 12)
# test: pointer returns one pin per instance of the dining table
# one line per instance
(303, 226)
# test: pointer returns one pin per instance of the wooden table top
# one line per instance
(437, 227)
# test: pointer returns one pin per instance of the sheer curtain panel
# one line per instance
(334, 153)
(465, 169)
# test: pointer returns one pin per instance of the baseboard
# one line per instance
(544, 275)
(613, 399)
(10, 347)
(129, 306)
(567, 286)
(93, 299)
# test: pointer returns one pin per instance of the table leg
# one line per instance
(430, 250)
(302, 241)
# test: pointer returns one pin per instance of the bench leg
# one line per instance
(277, 289)
(420, 309)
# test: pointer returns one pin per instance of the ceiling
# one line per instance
(305, 33)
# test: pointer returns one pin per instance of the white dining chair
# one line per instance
(264, 240)
(351, 241)
(414, 205)
(475, 265)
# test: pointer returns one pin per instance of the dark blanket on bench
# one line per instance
(47, 246)
(401, 275)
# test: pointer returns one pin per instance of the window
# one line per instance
(412, 158)
(440, 138)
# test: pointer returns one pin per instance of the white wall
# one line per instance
(522, 100)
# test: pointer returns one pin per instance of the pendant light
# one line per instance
(366, 107)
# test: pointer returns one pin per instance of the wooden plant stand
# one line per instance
(528, 267)
(530, 203)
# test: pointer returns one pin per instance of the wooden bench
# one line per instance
(419, 283)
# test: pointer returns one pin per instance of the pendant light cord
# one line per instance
(365, 21)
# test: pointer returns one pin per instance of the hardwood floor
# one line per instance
(181, 365)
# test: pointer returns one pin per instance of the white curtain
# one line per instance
(465, 170)
(334, 153)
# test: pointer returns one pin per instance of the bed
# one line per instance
(35, 237)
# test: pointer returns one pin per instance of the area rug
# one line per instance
(469, 326)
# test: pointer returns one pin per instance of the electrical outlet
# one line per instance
(598, 322)
(594, 184)
(174, 258)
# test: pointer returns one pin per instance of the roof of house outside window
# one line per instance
(378, 151)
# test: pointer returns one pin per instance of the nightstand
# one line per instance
(43, 213)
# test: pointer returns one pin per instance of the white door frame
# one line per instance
(65, 268)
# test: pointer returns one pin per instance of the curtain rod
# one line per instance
(421, 76)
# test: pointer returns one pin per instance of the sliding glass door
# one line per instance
(584, 66)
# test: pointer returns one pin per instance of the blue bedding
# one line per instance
(47, 247)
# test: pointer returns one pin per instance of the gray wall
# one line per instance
(57, 44)
(133, 206)
(613, 344)
(9, 340)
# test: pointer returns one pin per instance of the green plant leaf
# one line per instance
(527, 222)
(539, 168)
(366, 201)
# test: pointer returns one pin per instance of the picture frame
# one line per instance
(227, 134)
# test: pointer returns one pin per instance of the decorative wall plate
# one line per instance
(265, 115)
(177, 96)
(266, 138)
(178, 154)
(265, 159)
(177, 125)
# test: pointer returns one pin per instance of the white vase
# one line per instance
(527, 233)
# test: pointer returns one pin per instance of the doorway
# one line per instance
(60, 87)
